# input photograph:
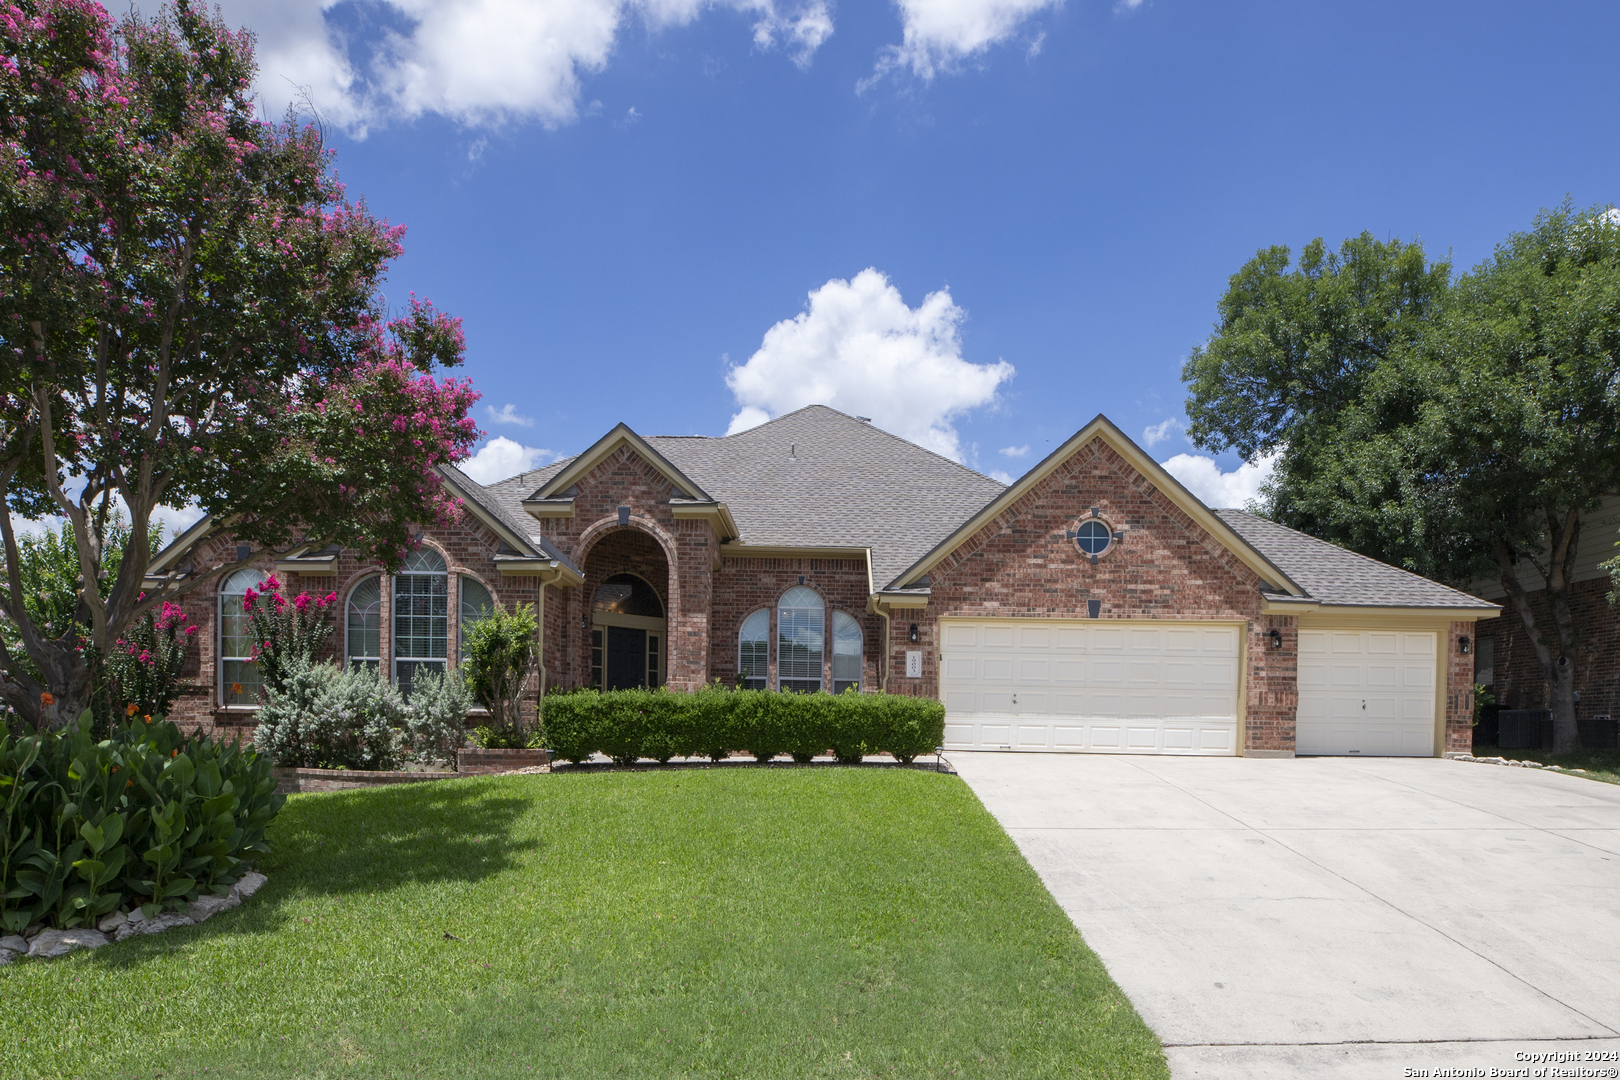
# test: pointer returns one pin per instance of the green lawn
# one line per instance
(717, 922)
(1599, 764)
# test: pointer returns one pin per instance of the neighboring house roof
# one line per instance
(1334, 576)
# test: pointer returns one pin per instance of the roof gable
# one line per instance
(1103, 429)
(603, 448)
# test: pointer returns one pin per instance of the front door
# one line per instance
(626, 657)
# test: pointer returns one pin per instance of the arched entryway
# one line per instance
(627, 578)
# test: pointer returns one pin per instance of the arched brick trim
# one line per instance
(674, 645)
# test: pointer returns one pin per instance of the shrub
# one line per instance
(147, 816)
(660, 724)
(285, 632)
(500, 654)
(143, 668)
(436, 717)
(324, 718)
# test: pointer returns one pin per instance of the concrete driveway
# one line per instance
(1328, 917)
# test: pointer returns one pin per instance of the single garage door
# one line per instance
(1080, 686)
(1369, 693)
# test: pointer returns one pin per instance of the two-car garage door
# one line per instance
(1085, 686)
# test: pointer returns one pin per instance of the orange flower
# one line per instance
(129, 783)
(174, 753)
(131, 709)
(148, 719)
(236, 688)
(47, 699)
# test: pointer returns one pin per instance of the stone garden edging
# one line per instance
(46, 944)
(1517, 764)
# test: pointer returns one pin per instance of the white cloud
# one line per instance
(1201, 476)
(1015, 451)
(501, 457)
(507, 414)
(1001, 476)
(860, 349)
(479, 62)
(1154, 434)
(175, 520)
(940, 34)
(747, 417)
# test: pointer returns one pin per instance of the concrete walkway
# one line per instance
(1330, 917)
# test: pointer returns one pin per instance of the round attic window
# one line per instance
(1093, 537)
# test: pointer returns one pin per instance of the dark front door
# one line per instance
(626, 657)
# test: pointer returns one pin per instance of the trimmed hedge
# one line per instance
(660, 724)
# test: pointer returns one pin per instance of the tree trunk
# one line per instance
(1554, 645)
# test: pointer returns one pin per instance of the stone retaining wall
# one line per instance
(291, 780)
(478, 762)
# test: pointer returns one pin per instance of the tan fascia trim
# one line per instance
(900, 600)
(620, 436)
(1103, 428)
(716, 513)
(1347, 617)
(325, 566)
(550, 508)
(549, 571)
(179, 546)
(739, 550)
(1314, 608)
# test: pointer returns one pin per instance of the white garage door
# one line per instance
(1081, 686)
(1369, 693)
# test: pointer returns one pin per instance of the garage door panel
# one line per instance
(1034, 637)
(1366, 693)
(1106, 673)
(1069, 670)
(1103, 641)
(1159, 689)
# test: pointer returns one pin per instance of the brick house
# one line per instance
(1505, 660)
(1093, 605)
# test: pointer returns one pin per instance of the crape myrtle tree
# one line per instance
(1476, 430)
(190, 313)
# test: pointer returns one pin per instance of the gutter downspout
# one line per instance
(883, 680)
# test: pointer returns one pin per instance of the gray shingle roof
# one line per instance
(1333, 575)
(812, 478)
(820, 478)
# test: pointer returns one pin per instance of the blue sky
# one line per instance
(623, 199)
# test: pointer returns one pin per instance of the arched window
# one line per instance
(801, 629)
(846, 653)
(362, 625)
(475, 606)
(238, 674)
(421, 616)
(753, 652)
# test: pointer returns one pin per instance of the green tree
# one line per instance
(190, 313)
(1476, 445)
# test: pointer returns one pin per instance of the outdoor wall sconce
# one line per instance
(1276, 638)
(1464, 645)
(912, 635)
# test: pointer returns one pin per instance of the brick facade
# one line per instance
(1022, 564)
(1518, 682)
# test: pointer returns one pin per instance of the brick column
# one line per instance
(1273, 688)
